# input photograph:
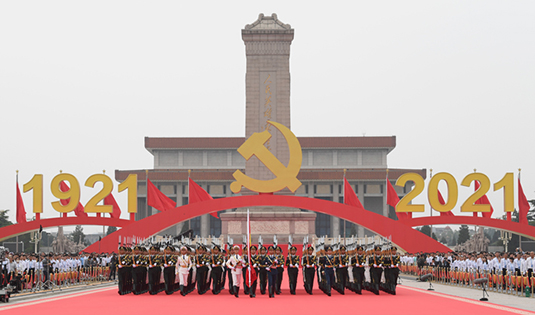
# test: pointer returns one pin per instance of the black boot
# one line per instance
(182, 290)
(236, 291)
(271, 289)
(252, 290)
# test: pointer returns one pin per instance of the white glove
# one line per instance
(340, 266)
(165, 265)
(254, 266)
(291, 266)
(309, 266)
(213, 265)
(267, 268)
(198, 266)
(375, 265)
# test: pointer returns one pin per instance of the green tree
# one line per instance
(4, 218)
(110, 230)
(433, 236)
(443, 240)
(464, 234)
(78, 234)
(426, 229)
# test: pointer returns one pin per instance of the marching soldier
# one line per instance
(138, 266)
(271, 262)
(244, 269)
(376, 263)
(217, 261)
(341, 261)
(235, 264)
(327, 264)
(392, 279)
(169, 269)
(262, 272)
(125, 271)
(292, 261)
(359, 261)
(254, 265)
(309, 268)
(184, 264)
(202, 261)
(155, 269)
(192, 276)
(280, 269)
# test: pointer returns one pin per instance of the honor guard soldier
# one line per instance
(138, 267)
(184, 264)
(262, 271)
(192, 276)
(376, 269)
(292, 262)
(254, 265)
(155, 269)
(202, 261)
(280, 269)
(235, 264)
(169, 271)
(216, 261)
(393, 271)
(244, 269)
(358, 262)
(309, 269)
(271, 262)
(327, 264)
(125, 271)
(341, 262)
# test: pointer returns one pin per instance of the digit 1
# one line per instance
(35, 184)
(131, 184)
(508, 185)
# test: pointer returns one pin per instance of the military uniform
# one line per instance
(184, 263)
(125, 271)
(358, 262)
(169, 270)
(280, 270)
(292, 262)
(202, 261)
(155, 270)
(391, 271)
(138, 271)
(261, 271)
(254, 266)
(217, 262)
(341, 262)
(327, 264)
(270, 263)
(376, 269)
(309, 268)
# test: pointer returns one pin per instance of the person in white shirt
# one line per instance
(235, 263)
(184, 264)
(530, 264)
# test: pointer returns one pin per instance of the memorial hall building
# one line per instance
(212, 161)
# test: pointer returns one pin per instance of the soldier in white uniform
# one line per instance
(184, 264)
(235, 263)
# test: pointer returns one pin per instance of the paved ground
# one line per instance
(409, 281)
(521, 302)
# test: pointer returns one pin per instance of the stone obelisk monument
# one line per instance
(267, 46)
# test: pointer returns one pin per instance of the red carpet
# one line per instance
(407, 301)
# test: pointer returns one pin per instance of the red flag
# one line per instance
(393, 199)
(110, 201)
(156, 199)
(350, 198)
(21, 211)
(253, 276)
(483, 201)
(196, 194)
(79, 211)
(523, 205)
(442, 202)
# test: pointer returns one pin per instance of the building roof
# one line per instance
(306, 143)
(304, 174)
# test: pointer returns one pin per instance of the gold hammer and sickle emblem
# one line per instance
(285, 176)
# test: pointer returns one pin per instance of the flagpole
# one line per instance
(343, 183)
(510, 219)
(17, 239)
(431, 206)
(249, 246)
(147, 193)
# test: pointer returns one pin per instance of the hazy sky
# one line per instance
(82, 83)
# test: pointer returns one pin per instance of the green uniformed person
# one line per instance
(341, 262)
(155, 269)
(376, 269)
(169, 271)
(280, 269)
(262, 272)
(309, 268)
(292, 263)
(358, 262)
(125, 271)
(217, 262)
(138, 265)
